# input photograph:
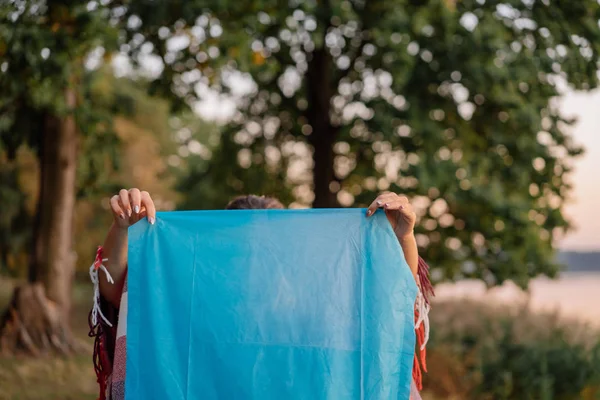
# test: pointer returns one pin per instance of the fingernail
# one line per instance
(386, 205)
(136, 209)
(378, 202)
(369, 212)
(402, 207)
(129, 212)
(122, 216)
(151, 220)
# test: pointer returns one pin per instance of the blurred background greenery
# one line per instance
(321, 103)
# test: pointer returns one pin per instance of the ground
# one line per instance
(51, 378)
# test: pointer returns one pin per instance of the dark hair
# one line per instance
(252, 202)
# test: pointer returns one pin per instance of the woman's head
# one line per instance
(252, 202)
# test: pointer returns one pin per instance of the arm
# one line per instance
(128, 207)
(411, 252)
(115, 249)
(402, 218)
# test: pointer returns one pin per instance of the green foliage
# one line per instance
(502, 354)
(446, 101)
(43, 48)
(550, 369)
(47, 48)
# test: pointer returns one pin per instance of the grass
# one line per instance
(51, 377)
(47, 378)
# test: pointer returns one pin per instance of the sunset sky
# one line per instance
(584, 209)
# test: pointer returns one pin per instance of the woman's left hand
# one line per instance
(398, 211)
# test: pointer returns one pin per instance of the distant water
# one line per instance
(574, 294)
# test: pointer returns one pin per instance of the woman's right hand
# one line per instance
(130, 206)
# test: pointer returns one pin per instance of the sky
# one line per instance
(583, 210)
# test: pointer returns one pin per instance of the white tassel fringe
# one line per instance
(97, 310)
(423, 310)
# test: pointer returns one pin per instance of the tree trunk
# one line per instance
(323, 173)
(323, 135)
(38, 316)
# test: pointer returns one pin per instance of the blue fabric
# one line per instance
(268, 304)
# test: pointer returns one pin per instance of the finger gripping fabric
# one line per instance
(269, 304)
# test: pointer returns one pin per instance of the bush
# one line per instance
(478, 351)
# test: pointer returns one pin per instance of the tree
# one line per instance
(44, 105)
(447, 101)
